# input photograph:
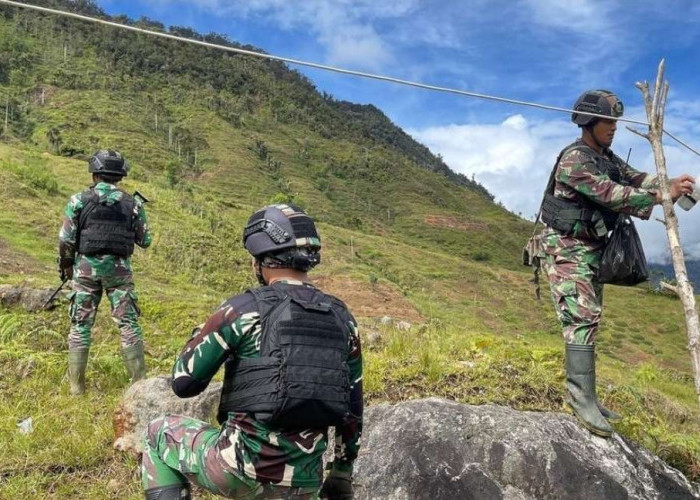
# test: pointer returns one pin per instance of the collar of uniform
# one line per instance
(104, 185)
(293, 282)
(607, 152)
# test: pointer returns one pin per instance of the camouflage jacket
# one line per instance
(98, 265)
(286, 458)
(577, 176)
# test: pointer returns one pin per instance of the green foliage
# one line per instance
(35, 173)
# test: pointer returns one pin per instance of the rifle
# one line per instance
(53, 295)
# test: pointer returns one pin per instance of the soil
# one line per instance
(367, 300)
(453, 223)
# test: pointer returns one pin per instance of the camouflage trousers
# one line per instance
(571, 266)
(181, 450)
(84, 300)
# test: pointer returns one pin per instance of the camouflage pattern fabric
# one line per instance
(92, 274)
(571, 266)
(181, 450)
(290, 458)
(571, 262)
(577, 176)
(85, 298)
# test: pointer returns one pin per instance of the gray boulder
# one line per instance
(151, 398)
(31, 299)
(438, 449)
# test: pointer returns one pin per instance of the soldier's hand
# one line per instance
(66, 273)
(681, 185)
(337, 486)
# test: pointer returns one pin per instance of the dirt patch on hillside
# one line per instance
(369, 300)
(453, 223)
(14, 262)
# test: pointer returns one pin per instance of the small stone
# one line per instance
(403, 326)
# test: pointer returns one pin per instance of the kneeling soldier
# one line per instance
(293, 367)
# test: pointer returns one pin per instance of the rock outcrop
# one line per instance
(31, 299)
(150, 398)
(439, 449)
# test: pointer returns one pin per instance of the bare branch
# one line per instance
(669, 287)
(642, 134)
(662, 104)
(644, 89)
(684, 289)
(660, 220)
(653, 119)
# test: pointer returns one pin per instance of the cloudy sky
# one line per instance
(546, 51)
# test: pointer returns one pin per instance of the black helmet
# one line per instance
(601, 102)
(275, 229)
(108, 161)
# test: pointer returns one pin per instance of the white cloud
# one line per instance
(583, 16)
(514, 158)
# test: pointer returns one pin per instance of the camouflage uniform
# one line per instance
(571, 261)
(244, 456)
(92, 274)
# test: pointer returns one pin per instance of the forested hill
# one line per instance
(202, 118)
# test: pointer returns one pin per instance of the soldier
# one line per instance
(293, 367)
(96, 241)
(589, 187)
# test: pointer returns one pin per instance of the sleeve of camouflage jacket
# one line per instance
(636, 178)
(578, 171)
(347, 436)
(143, 232)
(68, 235)
(203, 354)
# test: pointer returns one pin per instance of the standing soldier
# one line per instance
(293, 367)
(589, 187)
(96, 241)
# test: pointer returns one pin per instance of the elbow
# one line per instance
(187, 387)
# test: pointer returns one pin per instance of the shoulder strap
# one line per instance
(89, 198)
(129, 203)
(266, 299)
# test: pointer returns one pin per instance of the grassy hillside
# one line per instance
(402, 237)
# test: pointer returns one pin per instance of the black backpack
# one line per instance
(301, 379)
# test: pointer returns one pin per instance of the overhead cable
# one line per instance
(325, 67)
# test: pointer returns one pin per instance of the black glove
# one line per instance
(337, 486)
(65, 268)
(66, 273)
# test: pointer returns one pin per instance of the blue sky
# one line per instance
(547, 51)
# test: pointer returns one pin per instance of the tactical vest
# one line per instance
(106, 229)
(301, 379)
(563, 214)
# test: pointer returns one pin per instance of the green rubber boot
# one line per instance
(134, 362)
(77, 363)
(175, 492)
(608, 414)
(580, 382)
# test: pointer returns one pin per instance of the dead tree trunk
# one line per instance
(7, 114)
(655, 106)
